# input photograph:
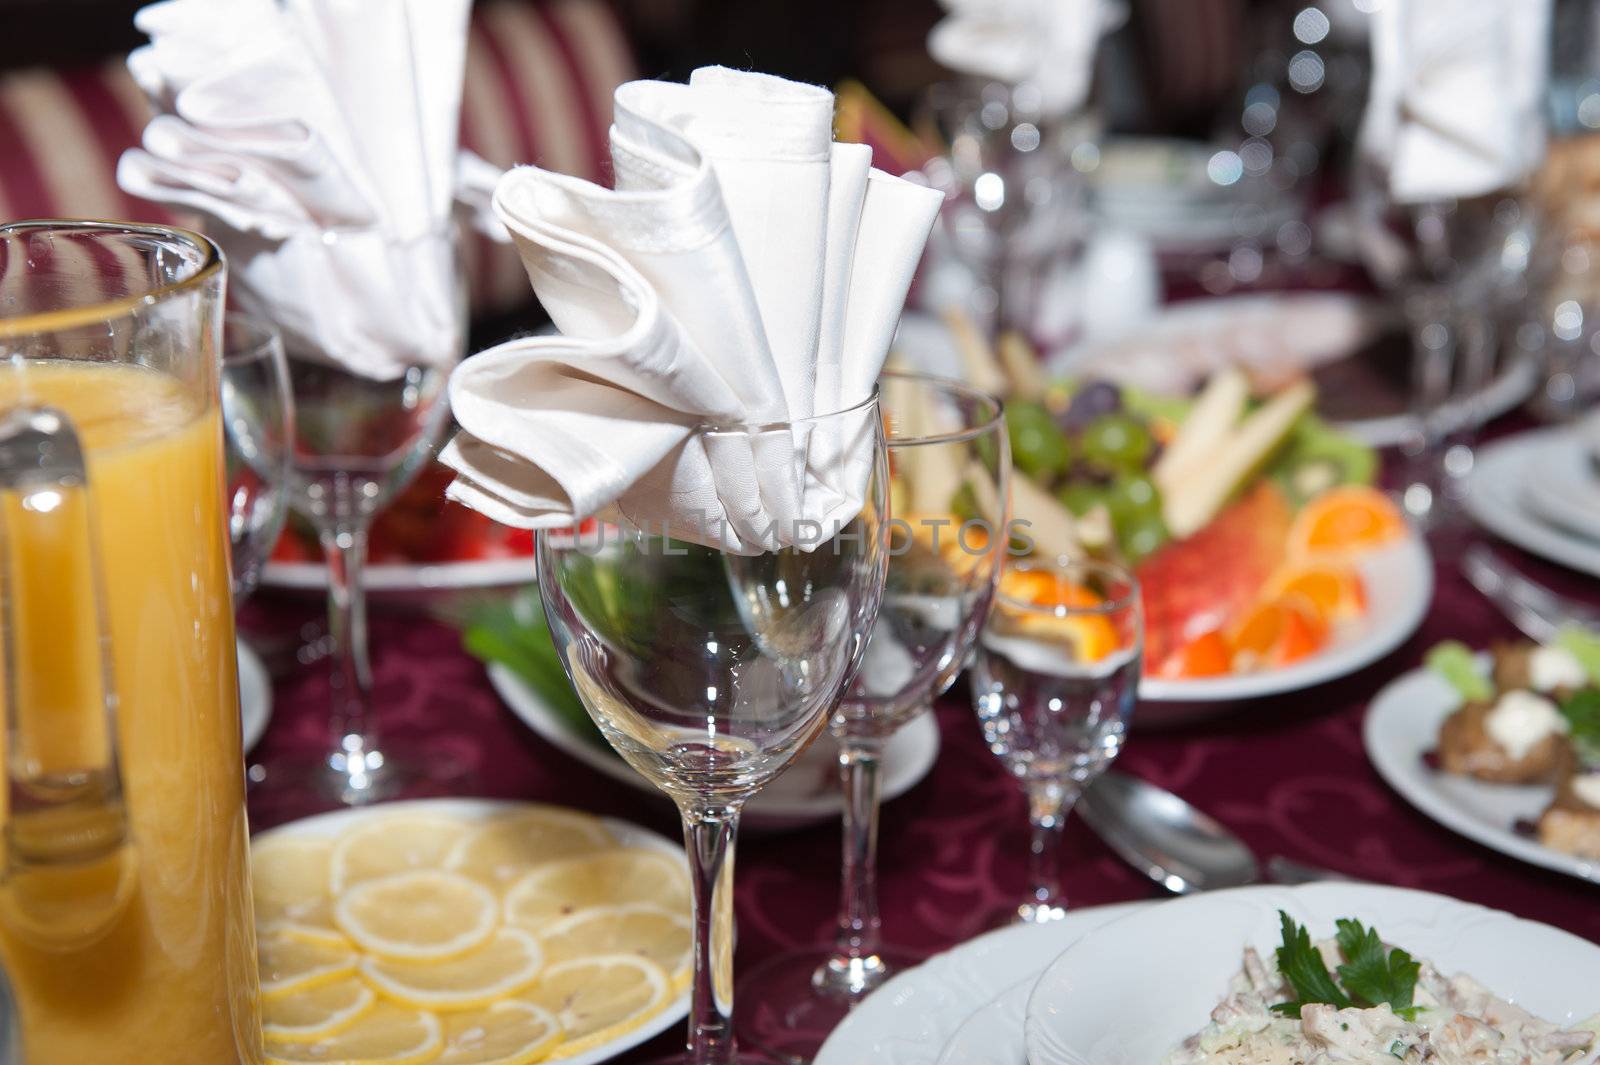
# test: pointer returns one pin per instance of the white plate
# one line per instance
(1495, 496)
(400, 579)
(808, 793)
(1399, 585)
(908, 1020)
(994, 1034)
(1127, 993)
(330, 825)
(1403, 724)
(255, 696)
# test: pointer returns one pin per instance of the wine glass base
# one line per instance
(297, 786)
(787, 1012)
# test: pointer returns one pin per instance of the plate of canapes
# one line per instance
(1501, 746)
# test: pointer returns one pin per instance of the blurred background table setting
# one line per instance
(1068, 478)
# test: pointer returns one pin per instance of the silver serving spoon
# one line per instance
(1179, 847)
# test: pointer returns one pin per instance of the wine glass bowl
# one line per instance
(710, 665)
(1054, 684)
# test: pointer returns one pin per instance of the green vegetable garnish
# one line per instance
(1456, 663)
(514, 633)
(1584, 646)
(1370, 974)
(1301, 964)
(1582, 711)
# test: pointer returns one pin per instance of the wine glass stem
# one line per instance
(1049, 804)
(709, 834)
(354, 736)
(855, 967)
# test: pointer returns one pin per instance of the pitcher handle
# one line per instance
(67, 846)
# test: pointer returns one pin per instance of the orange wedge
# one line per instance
(1043, 588)
(1334, 588)
(1345, 519)
(1276, 633)
(1207, 655)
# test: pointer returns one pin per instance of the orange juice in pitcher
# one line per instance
(125, 925)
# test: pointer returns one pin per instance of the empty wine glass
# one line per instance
(710, 671)
(950, 465)
(258, 428)
(1054, 683)
(358, 442)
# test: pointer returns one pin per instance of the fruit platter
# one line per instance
(1268, 561)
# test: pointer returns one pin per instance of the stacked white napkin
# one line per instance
(1047, 44)
(319, 140)
(745, 269)
(1456, 103)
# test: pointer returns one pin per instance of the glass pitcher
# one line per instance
(125, 915)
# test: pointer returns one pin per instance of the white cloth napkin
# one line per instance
(745, 269)
(1455, 107)
(1048, 44)
(319, 140)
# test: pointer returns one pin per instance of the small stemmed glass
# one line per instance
(258, 425)
(951, 463)
(709, 671)
(1054, 684)
(359, 441)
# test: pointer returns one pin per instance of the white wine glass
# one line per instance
(358, 442)
(710, 671)
(950, 467)
(1054, 684)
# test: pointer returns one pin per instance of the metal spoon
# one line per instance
(1179, 847)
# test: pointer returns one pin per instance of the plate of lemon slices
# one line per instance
(467, 932)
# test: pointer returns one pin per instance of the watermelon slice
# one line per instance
(1203, 583)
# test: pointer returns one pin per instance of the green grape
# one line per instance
(1132, 500)
(1142, 538)
(1118, 441)
(1038, 448)
(1080, 497)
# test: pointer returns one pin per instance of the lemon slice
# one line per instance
(397, 843)
(509, 962)
(612, 878)
(418, 916)
(293, 958)
(509, 846)
(385, 1035)
(600, 999)
(638, 928)
(507, 1033)
(315, 1013)
(289, 876)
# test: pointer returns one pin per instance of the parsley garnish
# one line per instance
(1582, 711)
(1370, 975)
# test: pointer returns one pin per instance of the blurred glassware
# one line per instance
(1456, 268)
(950, 460)
(258, 424)
(1054, 684)
(709, 672)
(1015, 211)
(1562, 330)
(358, 442)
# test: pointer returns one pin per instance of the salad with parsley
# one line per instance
(1354, 998)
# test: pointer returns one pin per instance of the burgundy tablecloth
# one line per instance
(1287, 774)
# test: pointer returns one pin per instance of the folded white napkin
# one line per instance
(745, 269)
(1455, 107)
(319, 140)
(1048, 44)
